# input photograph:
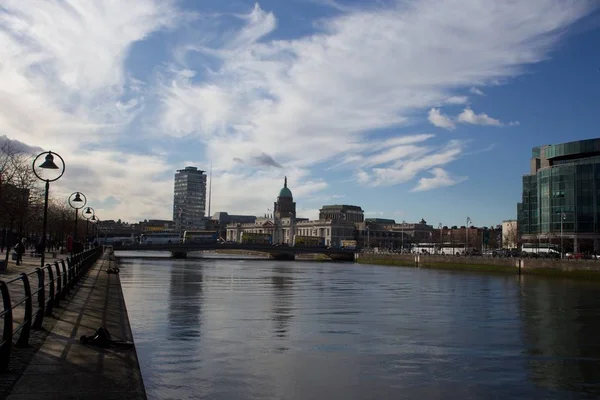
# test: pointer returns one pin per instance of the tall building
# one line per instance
(561, 196)
(189, 199)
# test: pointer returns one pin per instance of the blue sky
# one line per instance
(409, 108)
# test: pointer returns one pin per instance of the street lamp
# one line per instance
(440, 226)
(467, 235)
(88, 214)
(563, 216)
(76, 202)
(47, 164)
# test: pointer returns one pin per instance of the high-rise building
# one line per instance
(189, 199)
(561, 196)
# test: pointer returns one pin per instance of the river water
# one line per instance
(259, 329)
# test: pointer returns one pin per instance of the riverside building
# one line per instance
(561, 196)
(189, 199)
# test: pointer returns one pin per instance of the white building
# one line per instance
(510, 234)
(283, 224)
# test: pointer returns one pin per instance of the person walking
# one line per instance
(20, 249)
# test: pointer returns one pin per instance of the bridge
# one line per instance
(180, 250)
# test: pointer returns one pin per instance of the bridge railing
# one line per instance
(51, 284)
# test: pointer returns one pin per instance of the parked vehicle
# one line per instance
(308, 241)
(200, 237)
(348, 244)
(540, 250)
(256, 238)
(159, 238)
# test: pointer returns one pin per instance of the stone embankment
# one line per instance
(56, 365)
(587, 269)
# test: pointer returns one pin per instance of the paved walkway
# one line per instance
(63, 368)
(28, 265)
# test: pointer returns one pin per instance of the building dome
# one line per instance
(285, 192)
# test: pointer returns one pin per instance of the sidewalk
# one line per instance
(28, 265)
(63, 368)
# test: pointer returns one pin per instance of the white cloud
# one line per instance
(469, 117)
(457, 100)
(440, 120)
(303, 101)
(404, 170)
(440, 178)
(476, 91)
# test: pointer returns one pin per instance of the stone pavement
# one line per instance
(28, 265)
(63, 368)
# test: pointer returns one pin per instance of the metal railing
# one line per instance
(54, 281)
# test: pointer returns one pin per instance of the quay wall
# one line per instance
(567, 268)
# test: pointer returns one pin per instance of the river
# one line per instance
(257, 329)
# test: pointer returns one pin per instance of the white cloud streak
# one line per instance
(440, 179)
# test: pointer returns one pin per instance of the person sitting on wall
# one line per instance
(103, 338)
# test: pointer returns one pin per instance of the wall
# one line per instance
(526, 264)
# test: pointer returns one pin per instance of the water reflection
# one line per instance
(185, 295)
(561, 328)
(235, 329)
(282, 283)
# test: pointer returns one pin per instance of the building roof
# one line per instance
(341, 207)
(285, 192)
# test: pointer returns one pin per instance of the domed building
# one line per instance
(284, 227)
(285, 206)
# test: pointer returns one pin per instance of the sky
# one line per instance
(408, 108)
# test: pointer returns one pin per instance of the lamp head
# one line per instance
(77, 198)
(49, 162)
(88, 211)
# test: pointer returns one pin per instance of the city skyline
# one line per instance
(435, 119)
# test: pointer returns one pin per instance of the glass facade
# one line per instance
(189, 198)
(567, 187)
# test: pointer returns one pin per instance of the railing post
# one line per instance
(50, 290)
(71, 273)
(25, 331)
(8, 328)
(58, 293)
(66, 288)
(39, 317)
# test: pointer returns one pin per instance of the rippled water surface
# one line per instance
(257, 329)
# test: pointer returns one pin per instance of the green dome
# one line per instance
(285, 192)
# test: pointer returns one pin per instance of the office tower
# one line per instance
(189, 199)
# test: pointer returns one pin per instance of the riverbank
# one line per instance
(571, 269)
(62, 367)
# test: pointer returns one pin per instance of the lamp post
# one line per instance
(87, 214)
(47, 164)
(467, 235)
(76, 202)
(440, 226)
(95, 227)
(563, 216)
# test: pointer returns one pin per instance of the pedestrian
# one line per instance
(20, 249)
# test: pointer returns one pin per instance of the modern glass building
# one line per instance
(189, 199)
(563, 187)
